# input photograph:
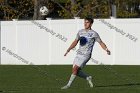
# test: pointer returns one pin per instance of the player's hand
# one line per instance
(108, 52)
(66, 53)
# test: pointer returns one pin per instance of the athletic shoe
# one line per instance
(89, 79)
(65, 87)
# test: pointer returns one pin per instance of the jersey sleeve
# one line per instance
(77, 36)
(97, 38)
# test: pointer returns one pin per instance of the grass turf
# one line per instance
(49, 79)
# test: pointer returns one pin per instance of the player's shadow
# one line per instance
(130, 84)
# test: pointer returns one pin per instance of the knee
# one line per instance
(75, 70)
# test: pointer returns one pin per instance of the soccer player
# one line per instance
(87, 37)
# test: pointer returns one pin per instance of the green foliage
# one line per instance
(70, 10)
(124, 8)
(15, 9)
(101, 8)
(92, 8)
(126, 14)
(24, 9)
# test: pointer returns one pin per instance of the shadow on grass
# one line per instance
(131, 84)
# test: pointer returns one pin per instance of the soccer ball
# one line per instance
(44, 10)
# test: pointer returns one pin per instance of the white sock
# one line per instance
(71, 79)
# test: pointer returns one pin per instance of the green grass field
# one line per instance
(49, 79)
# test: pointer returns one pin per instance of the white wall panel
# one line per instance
(39, 46)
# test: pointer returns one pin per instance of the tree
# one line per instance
(38, 4)
(11, 9)
(93, 8)
(70, 9)
(29, 9)
(128, 8)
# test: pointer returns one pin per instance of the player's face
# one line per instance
(87, 24)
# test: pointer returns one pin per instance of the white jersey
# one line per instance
(87, 40)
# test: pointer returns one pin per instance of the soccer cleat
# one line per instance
(65, 87)
(89, 79)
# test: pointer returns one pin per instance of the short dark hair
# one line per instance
(91, 20)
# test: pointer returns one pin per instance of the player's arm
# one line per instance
(74, 43)
(102, 44)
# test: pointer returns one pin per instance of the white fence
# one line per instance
(44, 42)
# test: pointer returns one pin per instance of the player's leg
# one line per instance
(72, 77)
(79, 62)
(80, 73)
(83, 75)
